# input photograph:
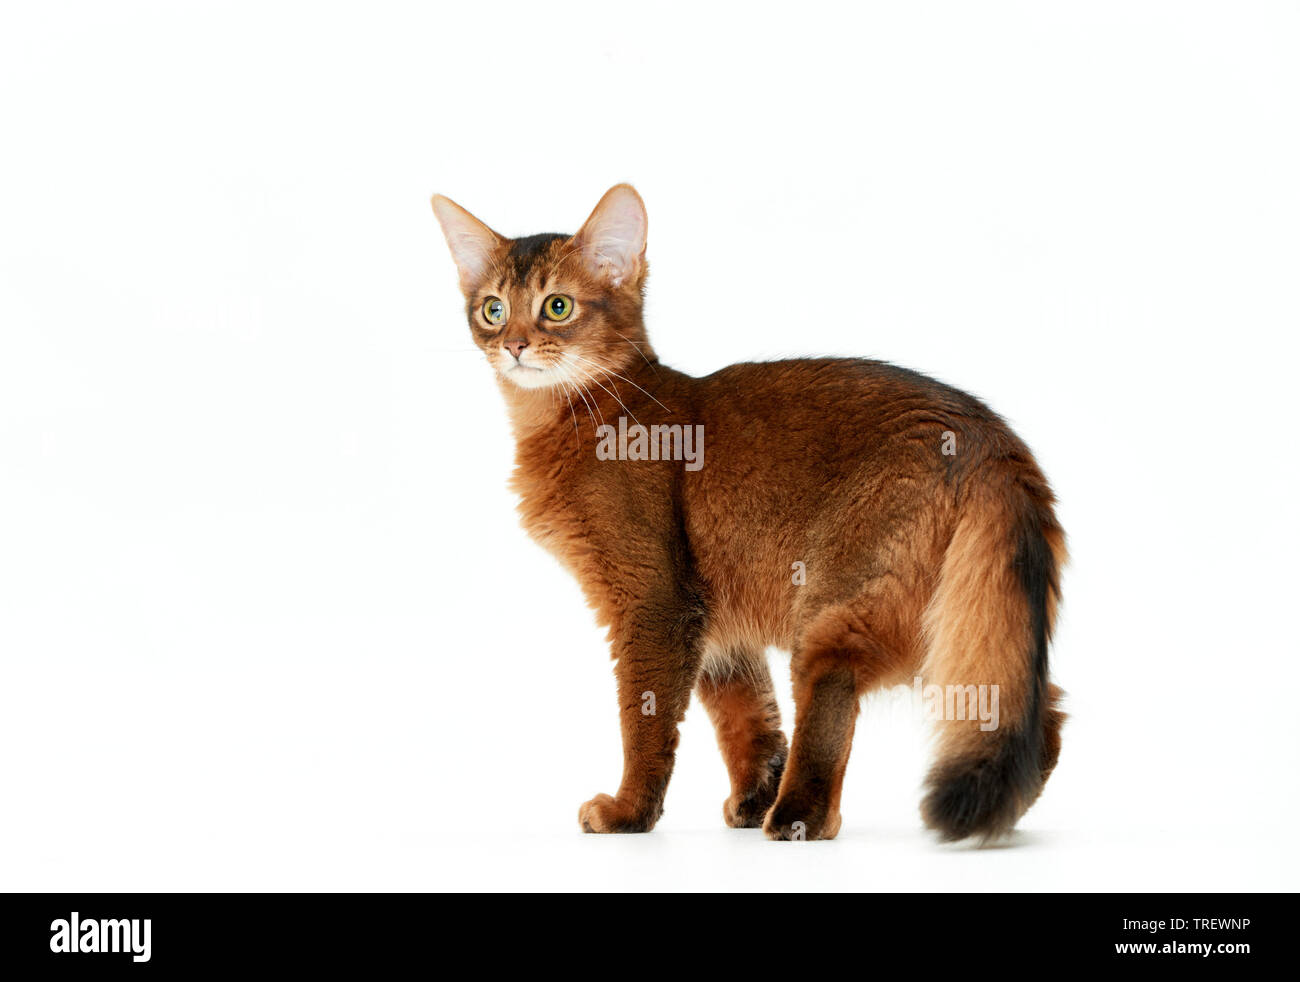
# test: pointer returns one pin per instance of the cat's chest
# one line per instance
(555, 501)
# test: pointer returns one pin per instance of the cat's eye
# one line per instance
(557, 307)
(494, 311)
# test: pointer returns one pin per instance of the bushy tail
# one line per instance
(989, 623)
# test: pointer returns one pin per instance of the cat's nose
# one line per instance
(515, 345)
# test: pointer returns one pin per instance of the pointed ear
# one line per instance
(613, 238)
(473, 245)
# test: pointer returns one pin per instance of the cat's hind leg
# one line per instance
(737, 692)
(845, 654)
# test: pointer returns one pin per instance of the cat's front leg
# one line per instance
(657, 666)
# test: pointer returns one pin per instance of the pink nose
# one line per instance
(515, 346)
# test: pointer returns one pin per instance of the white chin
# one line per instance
(529, 378)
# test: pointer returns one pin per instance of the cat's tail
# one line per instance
(987, 628)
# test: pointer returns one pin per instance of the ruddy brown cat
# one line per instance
(918, 525)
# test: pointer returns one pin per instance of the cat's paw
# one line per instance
(787, 824)
(607, 814)
(746, 810)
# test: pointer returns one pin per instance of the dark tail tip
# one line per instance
(984, 792)
(983, 796)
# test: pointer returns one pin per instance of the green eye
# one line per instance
(557, 307)
(494, 310)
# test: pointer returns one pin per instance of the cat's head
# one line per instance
(553, 309)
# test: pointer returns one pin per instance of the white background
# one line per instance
(267, 619)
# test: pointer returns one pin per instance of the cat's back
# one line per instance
(820, 398)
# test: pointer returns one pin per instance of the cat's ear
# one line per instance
(613, 238)
(473, 245)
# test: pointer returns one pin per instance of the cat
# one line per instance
(918, 527)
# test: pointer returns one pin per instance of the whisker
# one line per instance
(582, 394)
(616, 399)
(610, 371)
(637, 346)
(594, 401)
(576, 435)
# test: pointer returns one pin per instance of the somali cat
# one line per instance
(879, 525)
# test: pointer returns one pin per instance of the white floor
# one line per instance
(865, 857)
(333, 805)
